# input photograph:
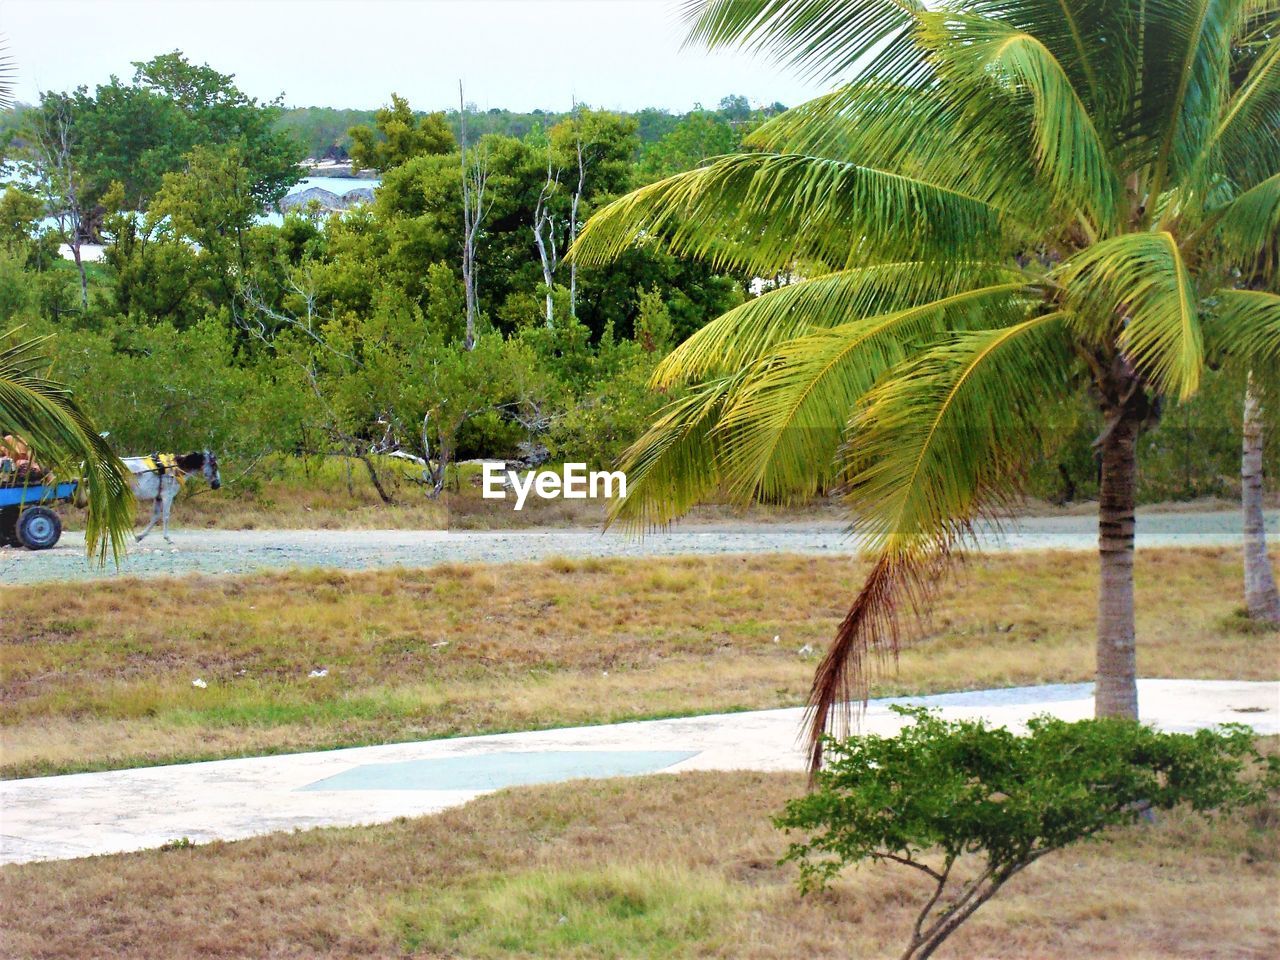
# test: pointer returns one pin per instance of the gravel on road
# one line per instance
(244, 551)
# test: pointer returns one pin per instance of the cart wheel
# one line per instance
(9, 527)
(39, 528)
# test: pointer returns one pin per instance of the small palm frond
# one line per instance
(1245, 143)
(937, 444)
(1140, 281)
(44, 413)
(7, 72)
(749, 332)
(674, 464)
(1248, 228)
(1186, 59)
(837, 213)
(823, 38)
(976, 54)
(782, 430)
(1245, 330)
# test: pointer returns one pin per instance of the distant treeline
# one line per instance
(324, 131)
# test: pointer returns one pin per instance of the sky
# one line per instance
(518, 54)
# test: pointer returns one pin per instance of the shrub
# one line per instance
(943, 794)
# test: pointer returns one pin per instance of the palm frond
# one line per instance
(937, 444)
(1244, 329)
(977, 53)
(7, 71)
(674, 464)
(1248, 228)
(918, 127)
(822, 38)
(1245, 143)
(44, 413)
(1187, 60)
(747, 333)
(1093, 40)
(731, 214)
(1139, 283)
(781, 432)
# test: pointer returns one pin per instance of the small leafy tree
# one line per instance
(942, 790)
(397, 136)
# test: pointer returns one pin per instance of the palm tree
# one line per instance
(44, 413)
(1261, 599)
(1010, 201)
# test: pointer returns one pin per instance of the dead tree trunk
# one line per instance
(544, 235)
(54, 141)
(1260, 596)
(475, 176)
(573, 222)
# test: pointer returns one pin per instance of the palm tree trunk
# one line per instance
(1260, 596)
(1116, 693)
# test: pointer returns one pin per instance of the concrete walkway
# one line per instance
(95, 813)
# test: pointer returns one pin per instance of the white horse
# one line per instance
(159, 478)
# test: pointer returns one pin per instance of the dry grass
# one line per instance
(666, 866)
(99, 675)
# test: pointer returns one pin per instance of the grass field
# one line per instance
(100, 675)
(654, 867)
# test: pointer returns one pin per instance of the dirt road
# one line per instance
(242, 551)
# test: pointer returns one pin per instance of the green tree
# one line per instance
(135, 133)
(944, 792)
(700, 136)
(653, 321)
(397, 136)
(130, 135)
(20, 229)
(212, 202)
(1006, 205)
(221, 114)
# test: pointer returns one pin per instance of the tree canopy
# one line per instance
(397, 136)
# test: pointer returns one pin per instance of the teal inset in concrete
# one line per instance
(493, 771)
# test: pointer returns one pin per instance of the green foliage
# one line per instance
(159, 388)
(20, 234)
(611, 412)
(323, 131)
(223, 115)
(697, 138)
(397, 137)
(653, 321)
(943, 792)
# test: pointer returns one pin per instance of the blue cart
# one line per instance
(25, 518)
